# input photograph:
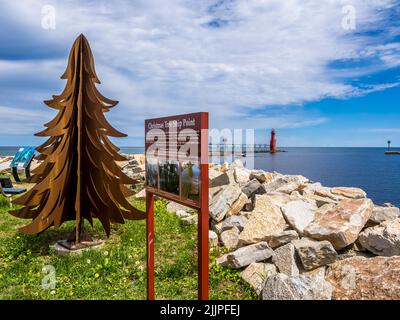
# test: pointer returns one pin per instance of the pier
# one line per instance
(239, 149)
(243, 149)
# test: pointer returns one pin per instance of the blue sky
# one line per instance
(258, 64)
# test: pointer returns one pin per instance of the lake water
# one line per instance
(367, 168)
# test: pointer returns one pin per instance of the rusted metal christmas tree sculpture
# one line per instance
(78, 178)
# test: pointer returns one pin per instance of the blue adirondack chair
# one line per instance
(7, 189)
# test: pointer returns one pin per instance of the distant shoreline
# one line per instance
(6, 151)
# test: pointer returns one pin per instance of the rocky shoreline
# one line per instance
(294, 238)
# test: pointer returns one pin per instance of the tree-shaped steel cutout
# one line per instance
(79, 177)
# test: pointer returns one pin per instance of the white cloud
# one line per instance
(161, 57)
(22, 121)
(15, 68)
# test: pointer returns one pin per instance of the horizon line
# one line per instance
(385, 147)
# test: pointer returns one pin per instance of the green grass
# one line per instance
(115, 271)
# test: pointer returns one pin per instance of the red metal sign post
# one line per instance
(177, 169)
(150, 245)
(203, 213)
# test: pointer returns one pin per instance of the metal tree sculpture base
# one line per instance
(68, 247)
(72, 246)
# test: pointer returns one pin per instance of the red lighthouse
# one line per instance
(272, 142)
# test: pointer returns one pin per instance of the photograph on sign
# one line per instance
(152, 172)
(169, 176)
(190, 180)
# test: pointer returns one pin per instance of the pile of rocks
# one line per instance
(295, 239)
(5, 158)
(134, 166)
(5, 164)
